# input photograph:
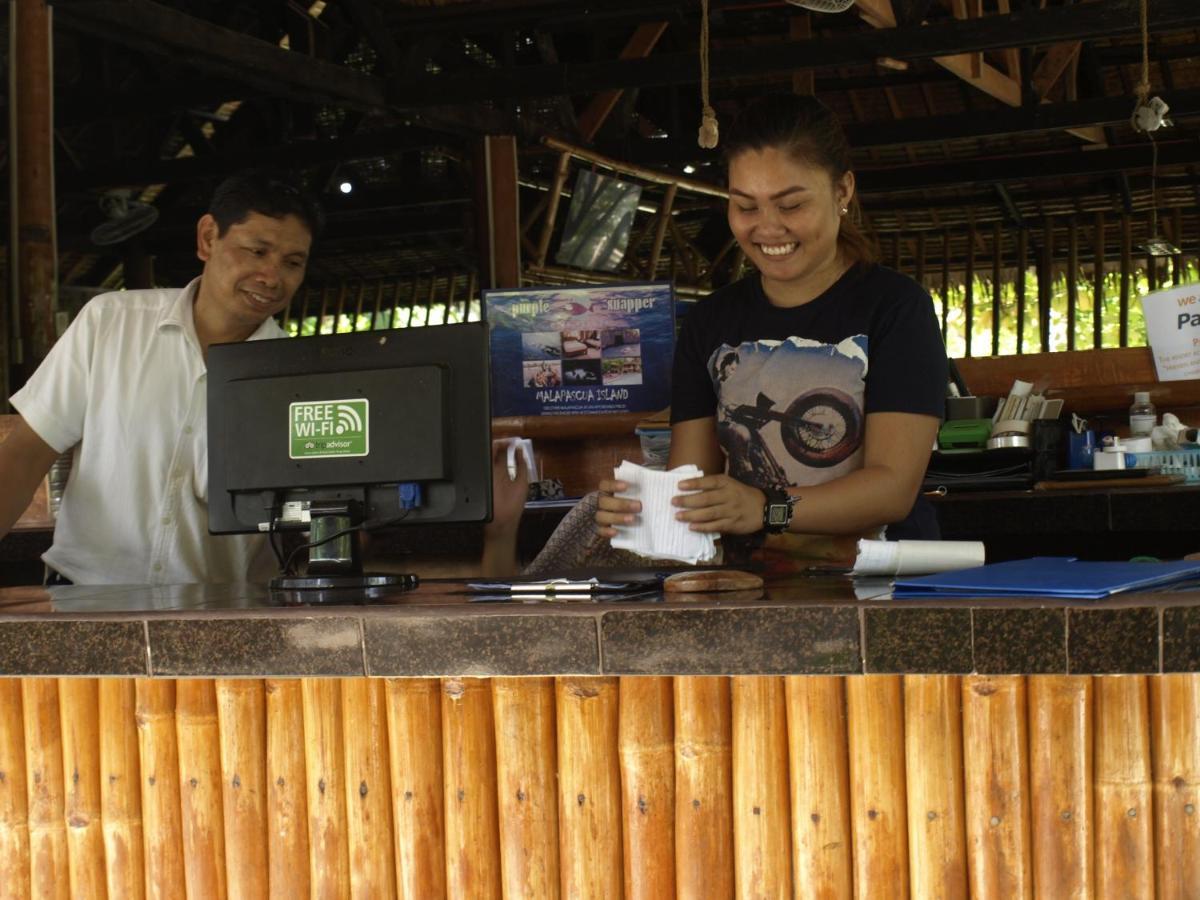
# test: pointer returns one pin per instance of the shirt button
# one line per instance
(187, 429)
(166, 520)
(158, 567)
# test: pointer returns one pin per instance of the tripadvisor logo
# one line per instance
(329, 428)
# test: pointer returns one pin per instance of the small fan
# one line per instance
(825, 6)
(126, 217)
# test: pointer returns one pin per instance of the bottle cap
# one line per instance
(1141, 396)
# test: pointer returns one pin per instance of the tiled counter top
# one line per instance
(808, 626)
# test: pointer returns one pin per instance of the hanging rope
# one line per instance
(1142, 91)
(708, 116)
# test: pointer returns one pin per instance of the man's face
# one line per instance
(254, 269)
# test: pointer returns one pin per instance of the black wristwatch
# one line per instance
(777, 512)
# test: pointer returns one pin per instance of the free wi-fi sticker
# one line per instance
(329, 428)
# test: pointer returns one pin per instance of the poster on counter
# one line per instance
(1173, 331)
(560, 351)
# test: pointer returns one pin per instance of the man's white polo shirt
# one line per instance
(127, 384)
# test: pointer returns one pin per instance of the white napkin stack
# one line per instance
(657, 533)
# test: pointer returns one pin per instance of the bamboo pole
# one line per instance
(469, 767)
(414, 717)
(646, 744)
(1175, 723)
(325, 775)
(703, 788)
(158, 756)
(14, 803)
(368, 789)
(820, 785)
(660, 230)
(589, 789)
(648, 174)
(242, 716)
(79, 718)
(287, 802)
(526, 789)
(120, 789)
(937, 852)
(200, 788)
(761, 819)
(1072, 280)
(555, 198)
(1124, 806)
(1060, 784)
(49, 876)
(878, 814)
(1098, 255)
(995, 753)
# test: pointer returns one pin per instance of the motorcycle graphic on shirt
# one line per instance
(790, 412)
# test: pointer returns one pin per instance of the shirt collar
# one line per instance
(179, 314)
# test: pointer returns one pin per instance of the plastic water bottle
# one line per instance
(1142, 415)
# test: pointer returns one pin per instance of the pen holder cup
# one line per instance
(1081, 446)
(1049, 448)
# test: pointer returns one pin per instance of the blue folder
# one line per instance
(1049, 576)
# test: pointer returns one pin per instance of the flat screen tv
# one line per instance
(340, 434)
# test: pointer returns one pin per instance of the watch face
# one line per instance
(777, 514)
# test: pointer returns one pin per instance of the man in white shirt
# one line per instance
(126, 386)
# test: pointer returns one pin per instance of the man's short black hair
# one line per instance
(267, 193)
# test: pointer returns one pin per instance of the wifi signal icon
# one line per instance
(348, 419)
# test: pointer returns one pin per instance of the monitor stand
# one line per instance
(335, 558)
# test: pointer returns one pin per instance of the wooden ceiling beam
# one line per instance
(1101, 18)
(156, 29)
(1034, 167)
(1100, 111)
(639, 46)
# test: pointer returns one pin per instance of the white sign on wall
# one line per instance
(1173, 330)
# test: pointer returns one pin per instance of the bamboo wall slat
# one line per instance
(14, 804)
(242, 717)
(646, 742)
(936, 827)
(995, 787)
(1175, 738)
(927, 786)
(1060, 785)
(589, 789)
(761, 803)
(1124, 805)
(325, 784)
(158, 756)
(79, 712)
(526, 786)
(878, 806)
(49, 876)
(820, 784)
(368, 790)
(287, 799)
(203, 816)
(469, 767)
(414, 713)
(120, 789)
(703, 788)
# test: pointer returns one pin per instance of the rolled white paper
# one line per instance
(916, 557)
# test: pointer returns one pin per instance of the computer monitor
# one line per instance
(342, 433)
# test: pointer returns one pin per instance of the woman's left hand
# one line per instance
(720, 504)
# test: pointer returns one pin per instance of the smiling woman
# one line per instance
(809, 393)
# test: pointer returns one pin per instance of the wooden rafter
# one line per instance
(638, 46)
(972, 68)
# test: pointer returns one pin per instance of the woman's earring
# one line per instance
(845, 209)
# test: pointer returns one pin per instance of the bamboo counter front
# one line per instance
(794, 742)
